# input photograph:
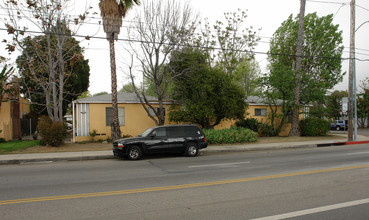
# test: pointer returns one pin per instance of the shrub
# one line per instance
(231, 135)
(263, 129)
(2, 140)
(314, 127)
(52, 134)
(43, 126)
(93, 134)
(250, 123)
(57, 134)
(266, 130)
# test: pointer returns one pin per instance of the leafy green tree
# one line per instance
(32, 80)
(100, 93)
(321, 59)
(247, 75)
(363, 108)
(334, 106)
(322, 51)
(234, 41)
(230, 45)
(112, 13)
(363, 103)
(205, 95)
(127, 88)
(277, 92)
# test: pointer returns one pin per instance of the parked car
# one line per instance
(187, 139)
(339, 125)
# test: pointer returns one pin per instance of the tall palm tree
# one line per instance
(112, 13)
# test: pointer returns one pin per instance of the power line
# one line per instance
(194, 46)
(328, 2)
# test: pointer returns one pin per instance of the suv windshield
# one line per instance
(146, 132)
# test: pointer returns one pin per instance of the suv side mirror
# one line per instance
(152, 135)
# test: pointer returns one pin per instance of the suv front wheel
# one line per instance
(134, 153)
(191, 150)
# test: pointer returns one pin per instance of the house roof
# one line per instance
(123, 97)
(256, 100)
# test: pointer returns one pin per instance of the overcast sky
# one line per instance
(265, 14)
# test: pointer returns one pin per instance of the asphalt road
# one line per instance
(320, 183)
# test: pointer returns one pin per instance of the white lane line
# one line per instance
(219, 164)
(315, 210)
(364, 152)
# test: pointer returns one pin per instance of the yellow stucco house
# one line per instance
(94, 113)
(259, 110)
(11, 113)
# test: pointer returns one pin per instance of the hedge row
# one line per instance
(231, 135)
(263, 129)
(314, 127)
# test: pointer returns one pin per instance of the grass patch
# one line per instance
(17, 145)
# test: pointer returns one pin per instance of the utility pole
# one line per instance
(300, 38)
(351, 93)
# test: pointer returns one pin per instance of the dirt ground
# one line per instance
(73, 147)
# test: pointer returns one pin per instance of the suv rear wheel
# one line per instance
(134, 153)
(191, 150)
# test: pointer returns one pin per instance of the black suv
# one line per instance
(186, 139)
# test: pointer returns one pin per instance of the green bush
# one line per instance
(52, 134)
(263, 129)
(2, 140)
(266, 130)
(43, 125)
(231, 135)
(250, 123)
(93, 134)
(314, 127)
(57, 134)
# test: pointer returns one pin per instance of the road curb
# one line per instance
(53, 159)
(245, 149)
(343, 143)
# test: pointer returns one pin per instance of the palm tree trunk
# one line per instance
(115, 128)
(295, 114)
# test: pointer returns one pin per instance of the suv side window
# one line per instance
(175, 131)
(160, 132)
(192, 131)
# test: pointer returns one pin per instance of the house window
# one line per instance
(152, 113)
(260, 112)
(109, 113)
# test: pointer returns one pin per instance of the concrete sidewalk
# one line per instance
(108, 154)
